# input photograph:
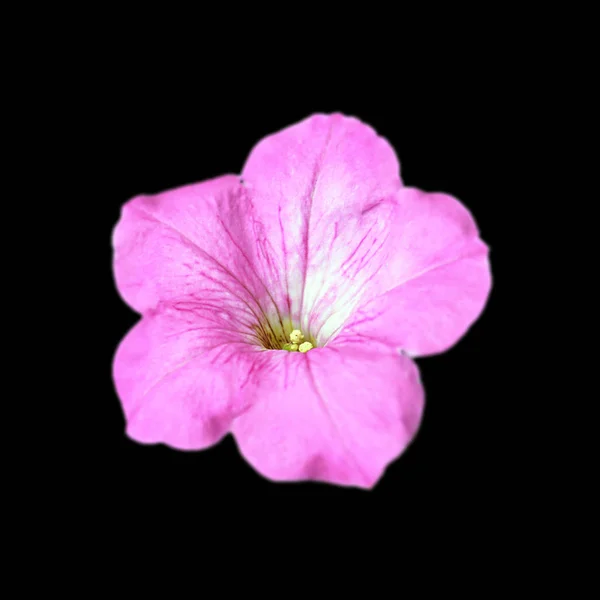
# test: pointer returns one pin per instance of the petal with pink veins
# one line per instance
(181, 374)
(199, 243)
(322, 189)
(435, 284)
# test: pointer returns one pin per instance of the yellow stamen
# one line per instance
(296, 337)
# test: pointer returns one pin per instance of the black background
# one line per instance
(154, 132)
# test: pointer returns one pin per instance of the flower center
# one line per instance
(280, 334)
(297, 342)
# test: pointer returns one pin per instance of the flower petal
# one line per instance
(337, 414)
(435, 283)
(180, 375)
(318, 187)
(197, 242)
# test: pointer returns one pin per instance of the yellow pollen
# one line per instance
(296, 337)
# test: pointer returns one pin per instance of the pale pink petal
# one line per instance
(338, 414)
(322, 189)
(435, 283)
(200, 243)
(180, 376)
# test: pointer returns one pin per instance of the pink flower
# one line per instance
(319, 236)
